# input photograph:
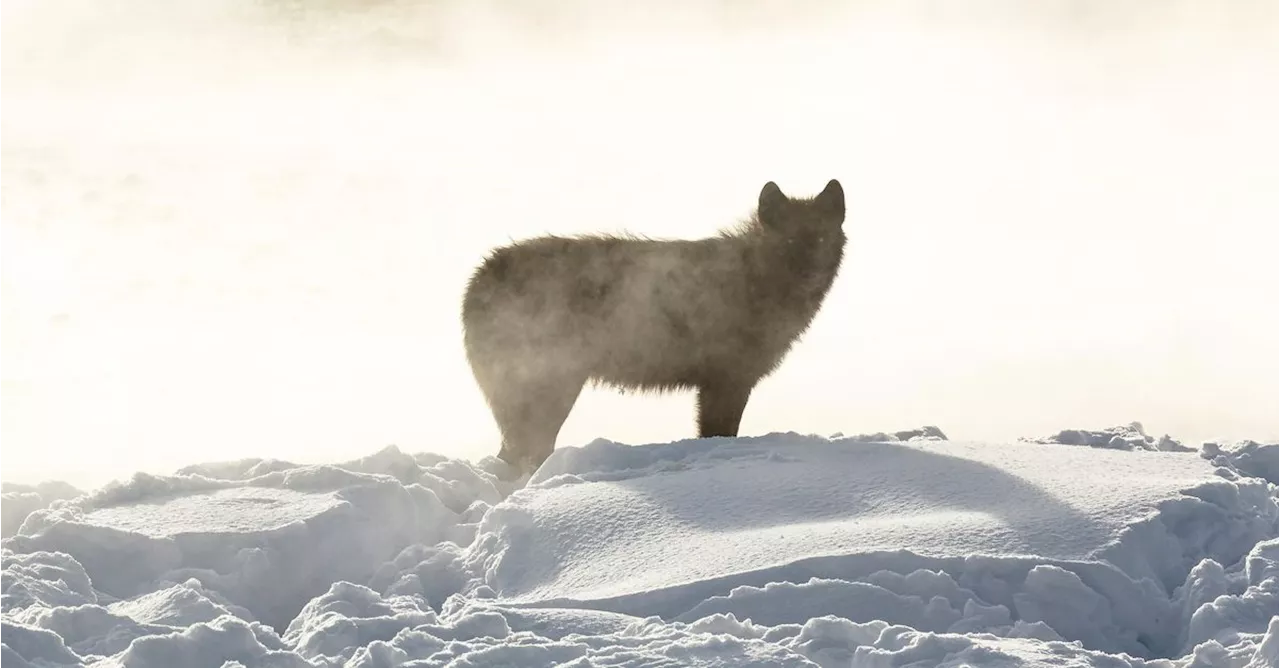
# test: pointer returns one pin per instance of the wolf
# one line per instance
(544, 316)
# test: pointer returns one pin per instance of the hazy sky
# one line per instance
(233, 228)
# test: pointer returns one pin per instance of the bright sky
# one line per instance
(234, 230)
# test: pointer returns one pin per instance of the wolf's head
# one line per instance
(807, 234)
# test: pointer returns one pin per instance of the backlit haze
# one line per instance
(242, 229)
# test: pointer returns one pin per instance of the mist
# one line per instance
(242, 229)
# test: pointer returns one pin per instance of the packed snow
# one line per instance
(885, 549)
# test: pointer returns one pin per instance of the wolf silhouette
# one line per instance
(544, 316)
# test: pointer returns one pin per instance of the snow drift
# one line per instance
(879, 550)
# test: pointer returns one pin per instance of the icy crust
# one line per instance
(787, 550)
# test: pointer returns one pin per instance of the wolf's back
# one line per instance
(540, 293)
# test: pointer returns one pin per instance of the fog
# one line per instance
(242, 229)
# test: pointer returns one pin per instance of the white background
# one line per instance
(235, 229)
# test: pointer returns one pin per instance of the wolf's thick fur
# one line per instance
(544, 316)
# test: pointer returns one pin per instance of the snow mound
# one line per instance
(926, 433)
(885, 549)
(179, 605)
(788, 528)
(1249, 458)
(19, 501)
(1125, 437)
(268, 544)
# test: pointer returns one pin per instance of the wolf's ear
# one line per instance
(831, 199)
(771, 201)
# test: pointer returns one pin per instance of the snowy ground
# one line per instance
(1107, 548)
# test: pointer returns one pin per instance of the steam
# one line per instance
(239, 228)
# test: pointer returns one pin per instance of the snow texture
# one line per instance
(884, 549)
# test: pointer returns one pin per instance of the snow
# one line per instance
(1249, 458)
(1126, 437)
(884, 549)
(19, 501)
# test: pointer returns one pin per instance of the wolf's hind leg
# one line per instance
(530, 414)
(556, 397)
(720, 407)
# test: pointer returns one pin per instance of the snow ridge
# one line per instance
(781, 550)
